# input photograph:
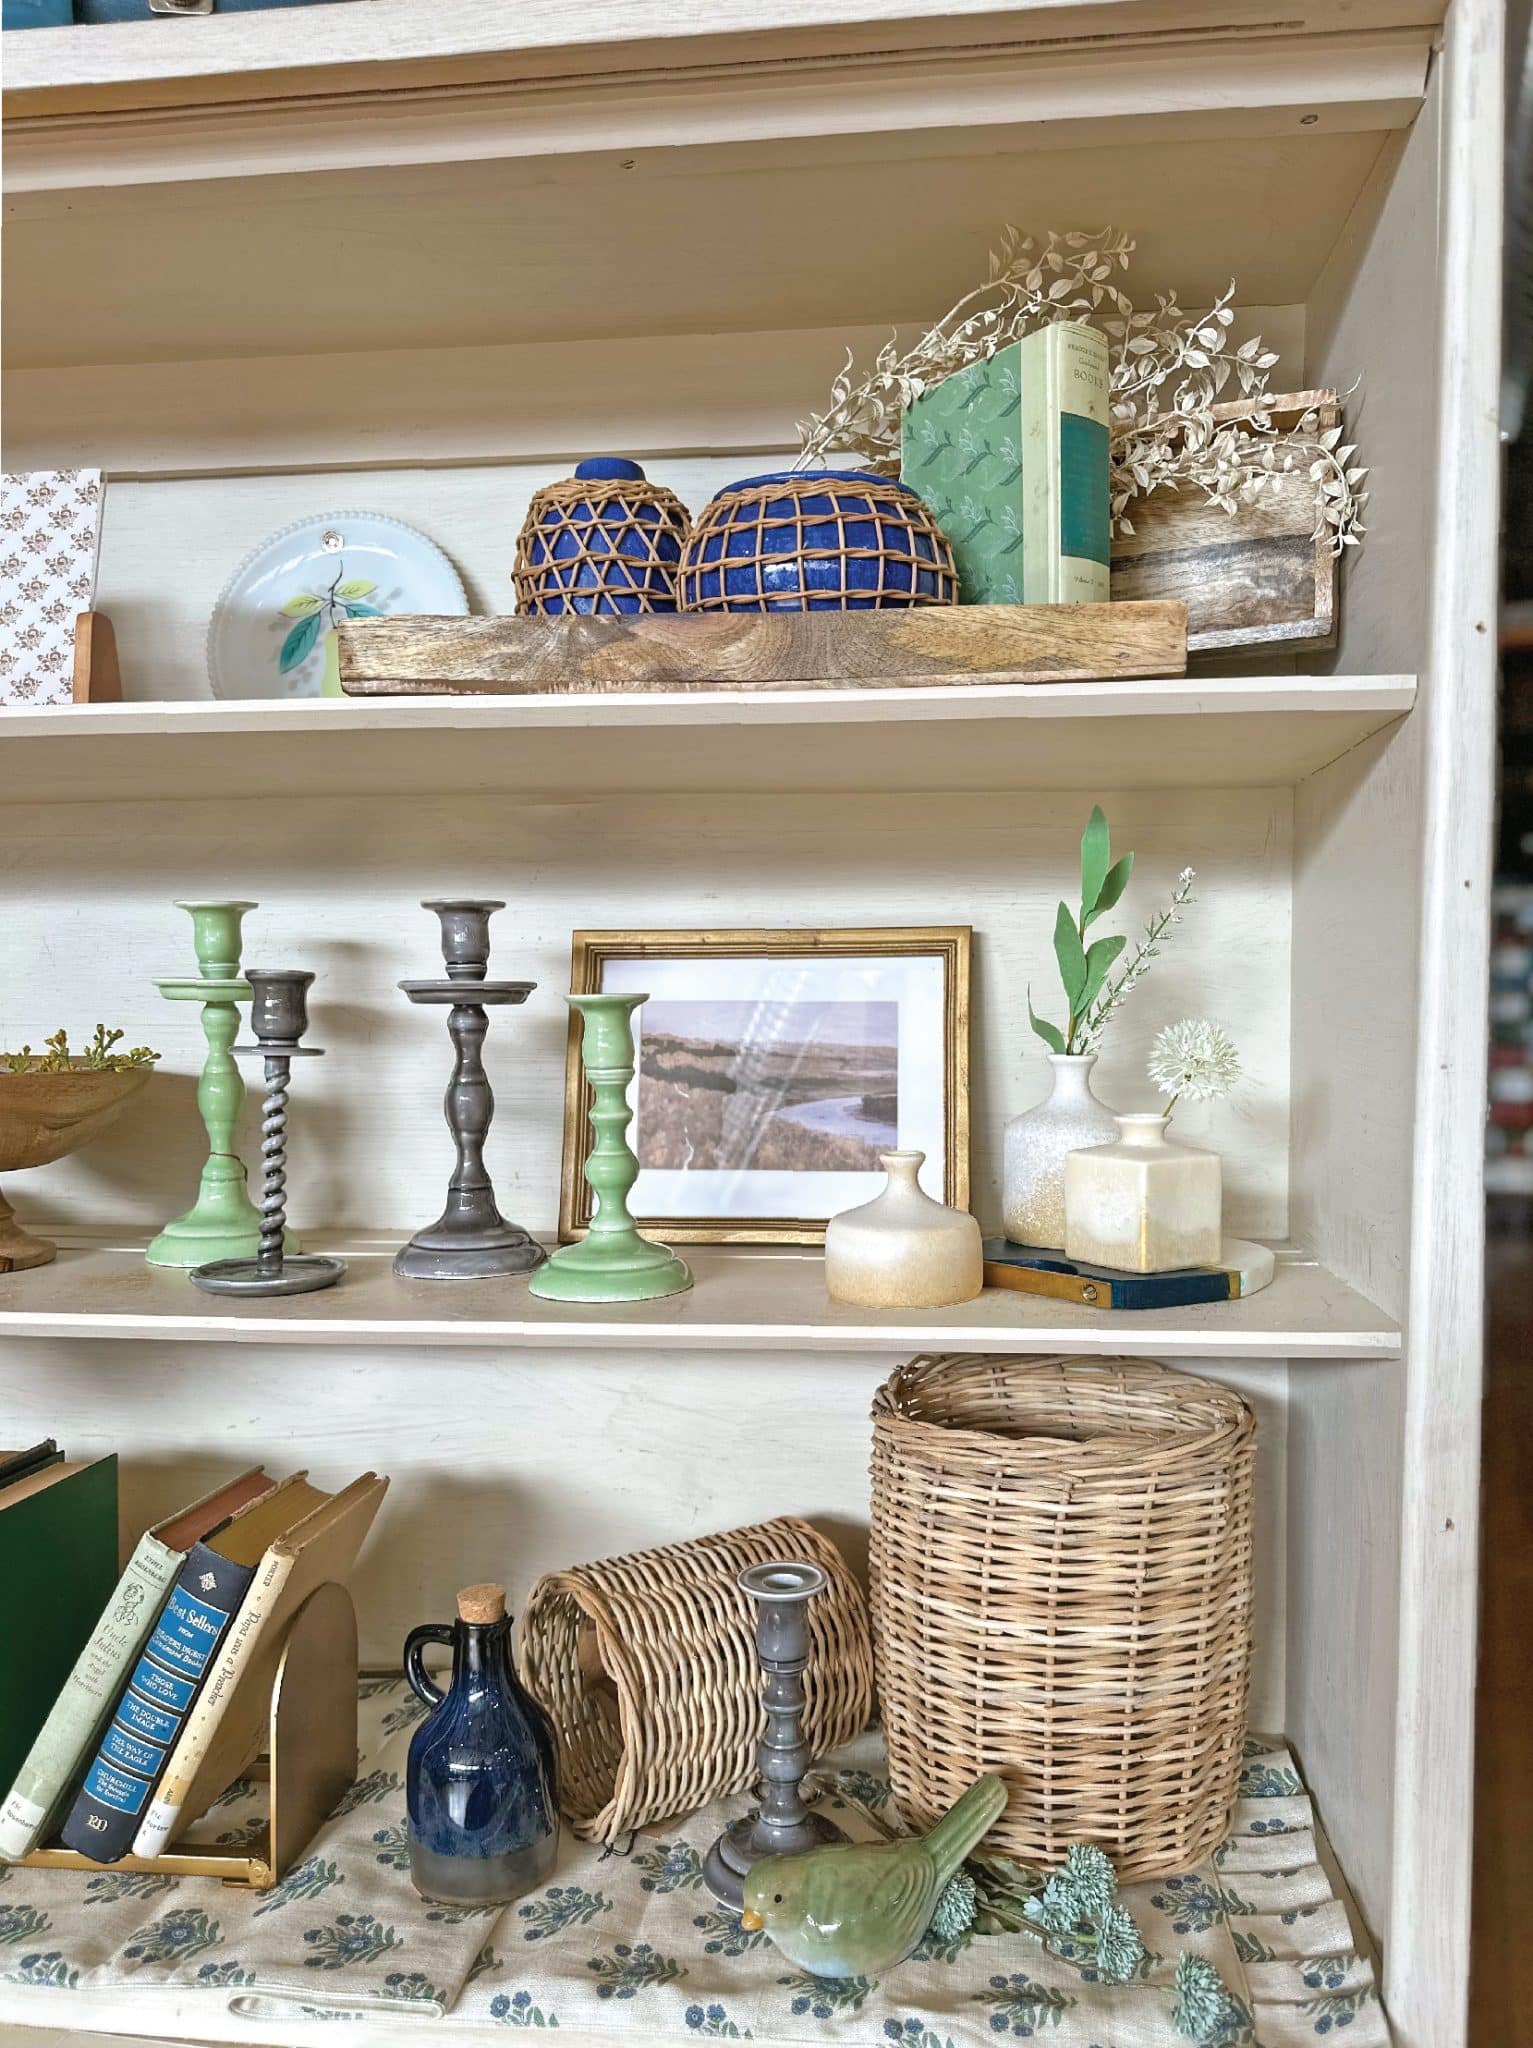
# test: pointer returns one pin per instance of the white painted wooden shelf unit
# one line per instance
(419, 259)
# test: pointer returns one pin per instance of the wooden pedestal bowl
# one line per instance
(46, 1116)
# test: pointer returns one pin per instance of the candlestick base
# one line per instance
(738, 1850)
(305, 1275)
(218, 1229)
(629, 1269)
(442, 1253)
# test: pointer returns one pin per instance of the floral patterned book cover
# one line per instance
(50, 529)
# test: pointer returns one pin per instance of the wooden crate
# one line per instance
(1253, 578)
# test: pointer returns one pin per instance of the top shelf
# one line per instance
(1246, 732)
(391, 43)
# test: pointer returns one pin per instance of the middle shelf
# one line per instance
(755, 1298)
(1217, 732)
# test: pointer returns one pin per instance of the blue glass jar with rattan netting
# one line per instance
(815, 540)
(603, 542)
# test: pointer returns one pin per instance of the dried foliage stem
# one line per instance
(1168, 370)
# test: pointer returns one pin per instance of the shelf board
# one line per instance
(1246, 732)
(745, 1299)
(144, 63)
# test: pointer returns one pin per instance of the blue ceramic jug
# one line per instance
(482, 1780)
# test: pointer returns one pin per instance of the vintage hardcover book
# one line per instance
(1031, 1269)
(22, 1464)
(79, 1713)
(1011, 454)
(165, 1681)
(58, 1565)
(227, 1726)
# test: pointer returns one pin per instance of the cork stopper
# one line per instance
(482, 1603)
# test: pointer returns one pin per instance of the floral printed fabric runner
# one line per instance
(636, 1945)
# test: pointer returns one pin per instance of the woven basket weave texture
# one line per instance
(1062, 1583)
(648, 1665)
(826, 540)
(600, 546)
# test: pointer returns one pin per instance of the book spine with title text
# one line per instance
(92, 1686)
(154, 1704)
(1063, 371)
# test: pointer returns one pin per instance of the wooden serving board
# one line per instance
(743, 651)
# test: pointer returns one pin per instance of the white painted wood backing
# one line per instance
(86, 895)
(504, 1470)
(492, 247)
(548, 403)
(744, 1300)
(1216, 732)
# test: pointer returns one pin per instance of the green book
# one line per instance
(67, 1738)
(58, 1564)
(1011, 454)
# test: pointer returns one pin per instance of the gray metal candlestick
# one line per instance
(470, 1240)
(784, 1826)
(278, 1017)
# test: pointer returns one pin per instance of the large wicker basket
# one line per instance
(648, 1665)
(1061, 1572)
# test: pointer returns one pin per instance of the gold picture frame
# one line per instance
(590, 953)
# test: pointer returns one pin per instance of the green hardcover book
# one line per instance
(58, 1565)
(1011, 454)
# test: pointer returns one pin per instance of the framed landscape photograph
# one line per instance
(771, 1070)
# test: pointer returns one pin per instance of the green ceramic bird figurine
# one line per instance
(855, 1909)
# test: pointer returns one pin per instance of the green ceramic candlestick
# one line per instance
(612, 1262)
(223, 1222)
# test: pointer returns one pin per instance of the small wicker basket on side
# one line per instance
(1061, 1571)
(648, 1666)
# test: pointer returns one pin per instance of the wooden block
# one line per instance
(743, 651)
(1250, 578)
(96, 676)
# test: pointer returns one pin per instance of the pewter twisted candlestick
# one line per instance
(278, 1017)
(274, 1164)
(784, 1826)
(470, 1240)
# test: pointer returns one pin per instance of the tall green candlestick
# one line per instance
(223, 1222)
(612, 1262)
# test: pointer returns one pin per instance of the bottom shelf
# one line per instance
(634, 1944)
(745, 1298)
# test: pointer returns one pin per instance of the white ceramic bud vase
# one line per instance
(1143, 1204)
(902, 1249)
(1037, 1144)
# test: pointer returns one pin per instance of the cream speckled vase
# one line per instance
(902, 1249)
(1037, 1144)
(1143, 1204)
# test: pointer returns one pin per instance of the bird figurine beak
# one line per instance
(751, 1922)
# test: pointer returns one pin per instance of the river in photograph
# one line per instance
(842, 1116)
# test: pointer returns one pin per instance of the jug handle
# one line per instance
(415, 1669)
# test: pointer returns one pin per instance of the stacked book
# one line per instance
(144, 1694)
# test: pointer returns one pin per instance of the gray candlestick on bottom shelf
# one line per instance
(784, 1826)
(278, 1017)
(470, 1240)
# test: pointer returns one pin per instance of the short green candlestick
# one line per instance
(223, 1222)
(612, 1262)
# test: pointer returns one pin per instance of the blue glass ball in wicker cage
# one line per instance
(816, 540)
(605, 542)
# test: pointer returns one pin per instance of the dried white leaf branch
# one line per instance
(1168, 370)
